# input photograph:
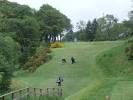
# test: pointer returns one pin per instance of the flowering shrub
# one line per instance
(57, 45)
(35, 61)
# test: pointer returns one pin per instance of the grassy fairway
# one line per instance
(82, 81)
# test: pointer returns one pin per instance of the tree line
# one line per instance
(22, 31)
(104, 28)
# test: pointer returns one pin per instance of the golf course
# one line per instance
(66, 50)
(101, 70)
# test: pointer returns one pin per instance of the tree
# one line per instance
(52, 23)
(89, 33)
(19, 37)
(25, 32)
(28, 36)
(105, 27)
(110, 23)
(69, 36)
(80, 36)
(94, 28)
(14, 10)
(9, 55)
(129, 23)
(100, 35)
(18, 21)
(81, 25)
(91, 30)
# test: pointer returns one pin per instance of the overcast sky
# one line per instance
(85, 9)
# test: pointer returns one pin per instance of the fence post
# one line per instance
(40, 92)
(47, 91)
(35, 91)
(3, 98)
(28, 92)
(13, 96)
(20, 92)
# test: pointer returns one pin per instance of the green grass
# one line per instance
(114, 63)
(91, 78)
(45, 98)
(116, 66)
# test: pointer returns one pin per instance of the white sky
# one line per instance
(85, 9)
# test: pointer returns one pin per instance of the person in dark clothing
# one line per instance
(73, 60)
(63, 60)
(59, 81)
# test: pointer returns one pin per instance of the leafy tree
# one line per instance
(69, 36)
(129, 23)
(9, 54)
(100, 35)
(81, 25)
(21, 11)
(119, 31)
(52, 23)
(25, 32)
(106, 25)
(19, 37)
(80, 36)
(94, 28)
(110, 23)
(89, 33)
(28, 36)
(14, 10)
(91, 30)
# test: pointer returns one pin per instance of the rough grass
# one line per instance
(116, 66)
(91, 78)
(115, 63)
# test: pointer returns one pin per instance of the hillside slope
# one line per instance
(81, 80)
(118, 80)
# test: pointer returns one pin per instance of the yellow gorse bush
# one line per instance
(57, 45)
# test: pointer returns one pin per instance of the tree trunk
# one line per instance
(60, 37)
(54, 39)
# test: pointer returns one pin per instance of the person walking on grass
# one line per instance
(59, 81)
(73, 60)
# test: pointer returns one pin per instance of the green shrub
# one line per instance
(57, 45)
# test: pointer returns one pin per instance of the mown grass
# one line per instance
(96, 90)
(117, 80)
(99, 71)
(45, 98)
